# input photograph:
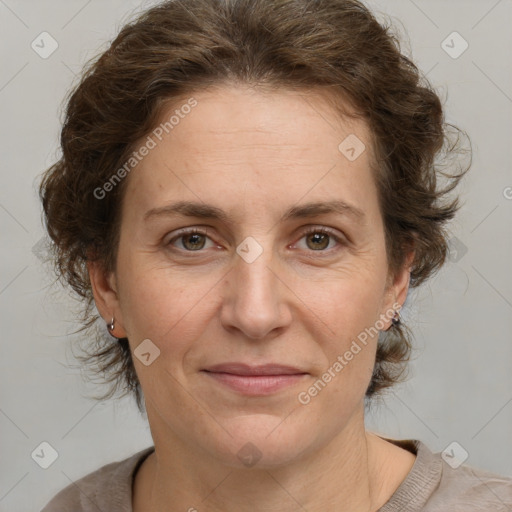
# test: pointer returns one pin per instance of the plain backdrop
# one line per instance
(460, 385)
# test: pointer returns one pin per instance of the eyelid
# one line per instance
(339, 238)
(187, 231)
(190, 230)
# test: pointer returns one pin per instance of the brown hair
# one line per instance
(182, 46)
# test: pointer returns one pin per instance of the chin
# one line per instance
(262, 442)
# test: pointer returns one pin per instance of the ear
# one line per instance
(397, 288)
(104, 289)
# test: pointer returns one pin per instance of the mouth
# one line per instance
(257, 370)
(252, 380)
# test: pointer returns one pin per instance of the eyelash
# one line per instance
(313, 230)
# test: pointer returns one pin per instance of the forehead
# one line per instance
(261, 147)
(301, 117)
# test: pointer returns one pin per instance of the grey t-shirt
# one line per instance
(432, 485)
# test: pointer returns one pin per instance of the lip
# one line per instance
(247, 369)
(257, 380)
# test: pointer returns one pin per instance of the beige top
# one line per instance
(432, 485)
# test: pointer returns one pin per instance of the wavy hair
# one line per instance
(181, 46)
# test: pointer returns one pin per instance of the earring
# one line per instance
(110, 327)
(396, 318)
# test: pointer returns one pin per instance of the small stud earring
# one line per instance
(111, 327)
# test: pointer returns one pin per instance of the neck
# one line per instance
(350, 473)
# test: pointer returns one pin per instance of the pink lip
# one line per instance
(255, 380)
(246, 369)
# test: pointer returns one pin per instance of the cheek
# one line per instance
(345, 303)
(161, 305)
(346, 311)
(348, 346)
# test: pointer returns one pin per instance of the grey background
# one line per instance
(460, 387)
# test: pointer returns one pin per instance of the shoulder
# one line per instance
(439, 483)
(107, 488)
(469, 489)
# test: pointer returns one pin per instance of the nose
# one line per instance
(256, 299)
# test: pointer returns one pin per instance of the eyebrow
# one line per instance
(206, 211)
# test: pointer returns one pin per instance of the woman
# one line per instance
(246, 193)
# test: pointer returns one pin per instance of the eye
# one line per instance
(190, 240)
(320, 238)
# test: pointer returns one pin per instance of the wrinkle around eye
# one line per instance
(339, 241)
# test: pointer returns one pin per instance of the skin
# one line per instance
(255, 154)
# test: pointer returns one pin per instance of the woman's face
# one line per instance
(252, 286)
